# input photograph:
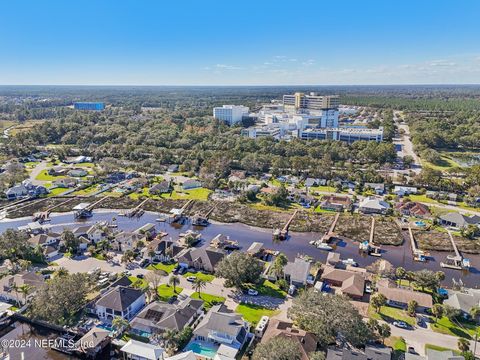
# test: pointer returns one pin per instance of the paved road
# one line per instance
(405, 144)
(452, 208)
(418, 337)
(36, 171)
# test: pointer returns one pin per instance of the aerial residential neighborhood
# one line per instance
(207, 180)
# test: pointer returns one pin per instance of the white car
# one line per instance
(252, 292)
(368, 289)
(191, 278)
(400, 324)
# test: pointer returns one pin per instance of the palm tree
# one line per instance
(62, 272)
(15, 289)
(198, 285)
(174, 281)
(24, 289)
(475, 312)
(120, 324)
(463, 345)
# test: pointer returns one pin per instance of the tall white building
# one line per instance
(231, 114)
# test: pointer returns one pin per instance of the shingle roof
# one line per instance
(119, 298)
(405, 295)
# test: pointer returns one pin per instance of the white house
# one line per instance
(137, 350)
(404, 190)
(121, 301)
(373, 205)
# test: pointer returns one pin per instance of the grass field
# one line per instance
(322, 188)
(87, 191)
(168, 268)
(208, 299)
(200, 275)
(440, 348)
(194, 194)
(138, 283)
(463, 329)
(57, 191)
(390, 314)
(44, 176)
(268, 288)
(165, 292)
(253, 313)
(422, 198)
(445, 163)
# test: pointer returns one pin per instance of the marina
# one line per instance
(245, 236)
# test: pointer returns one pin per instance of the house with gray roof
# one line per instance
(221, 326)
(296, 272)
(370, 353)
(158, 316)
(121, 301)
(205, 259)
(463, 300)
(458, 220)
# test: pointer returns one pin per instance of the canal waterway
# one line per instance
(296, 244)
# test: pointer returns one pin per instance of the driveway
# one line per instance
(418, 337)
(36, 171)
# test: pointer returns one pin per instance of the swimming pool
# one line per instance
(105, 327)
(420, 223)
(202, 348)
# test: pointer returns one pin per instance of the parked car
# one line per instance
(140, 276)
(421, 322)
(172, 299)
(292, 289)
(411, 350)
(176, 269)
(191, 278)
(252, 292)
(400, 324)
(368, 289)
(182, 270)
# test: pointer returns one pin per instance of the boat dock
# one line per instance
(137, 210)
(418, 255)
(457, 261)
(178, 214)
(283, 234)
(202, 220)
(331, 232)
(44, 215)
(84, 210)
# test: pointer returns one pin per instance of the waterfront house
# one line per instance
(297, 272)
(431, 354)
(305, 341)
(121, 301)
(160, 188)
(16, 192)
(413, 208)
(204, 259)
(399, 297)
(220, 326)
(336, 203)
(458, 220)
(77, 160)
(159, 317)
(347, 282)
(95, 233)
(9, 283)
(93, 342)
(186, 355)
(373, 205)
(137, 350)
(126, 240)
(191, 184)
(148, 230)
(44, 240)
(162, 250)
(464, 301)
(67, 182)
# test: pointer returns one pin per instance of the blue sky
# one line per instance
(147, 42)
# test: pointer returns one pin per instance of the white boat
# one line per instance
(323, 246)
(350, 262)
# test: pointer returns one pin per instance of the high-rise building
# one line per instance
(231, 114)
(300, 101)
(98, 106)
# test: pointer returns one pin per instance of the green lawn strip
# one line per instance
(127, 336)
(440, 348)
(99, 256)
(200, 275)
(390, 314)
(193, 194)
(86, 164)
(268, 288)
(464, 329)
(57, 191)
(422, 198)
(168, 268)
(138, 283)
(209, 300)
(322, 188)
(253, 313)
(165, 292)
(87, 191)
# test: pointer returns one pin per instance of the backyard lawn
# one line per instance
(464, 329)
(194, 194)
(87, 191)
(200, 275)
(253, 313)
(57, 191)
(165, 292)
(208, 299)
(440, 348)
(390, 314)
(168, 268)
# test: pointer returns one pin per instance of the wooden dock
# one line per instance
(331, 232)
(283, 234)
(44, 215)
(457, 262)
(137, 210)
(84, 210)
(202, 220)
(418, 255)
